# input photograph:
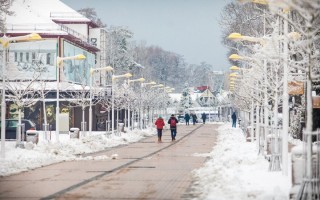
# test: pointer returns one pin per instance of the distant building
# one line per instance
(202, 88)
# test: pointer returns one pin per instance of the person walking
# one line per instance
(203, 117)
(234, 119)
(173, 126)
(194, 118)
(187, 118)
(159, 124)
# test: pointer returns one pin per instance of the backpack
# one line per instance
(173, 122)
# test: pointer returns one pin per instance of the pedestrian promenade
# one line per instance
(142, 170)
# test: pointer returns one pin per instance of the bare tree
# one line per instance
(23, 93)
(91, 14)
(4, 10)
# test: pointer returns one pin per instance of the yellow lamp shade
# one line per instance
(235, 57)
(264, 2)
(235, 36)
(233, 75)
(234, 67)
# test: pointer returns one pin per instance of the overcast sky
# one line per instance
(187, 27)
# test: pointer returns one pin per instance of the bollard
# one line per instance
(121, 127)
(45, 128)
(32, 136)
(74, 133)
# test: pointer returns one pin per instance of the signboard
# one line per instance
(108, 91)
(316, 102)
(296, 88)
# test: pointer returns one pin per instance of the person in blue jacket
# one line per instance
(234, 119)
(187, 118)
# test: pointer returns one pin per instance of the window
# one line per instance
(15, 56)
(21, 56)
(33, 55)
(12, 123)
(27, 56)
(48, 59)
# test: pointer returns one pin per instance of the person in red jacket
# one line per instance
(159, 124)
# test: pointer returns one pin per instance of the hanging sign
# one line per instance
(316, 102)
(295, 88)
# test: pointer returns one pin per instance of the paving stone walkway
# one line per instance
(142, 170)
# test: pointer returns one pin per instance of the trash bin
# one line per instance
(121, 127)
(74, 133)
(32, 136)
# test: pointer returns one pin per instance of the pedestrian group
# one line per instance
(173, 121)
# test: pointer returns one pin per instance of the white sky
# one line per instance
(187, 27)
(233, 170)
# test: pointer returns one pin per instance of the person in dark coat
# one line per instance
(159, 124)
(234, 119)
(203, 117)
(187, 118)
(194, 118)
(173, 126)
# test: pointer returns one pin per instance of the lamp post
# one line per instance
(5, 43)
(59, 64)
(157, 86)
(168, 90)
(145, 85)
(129, 114)
(92, 70)
(114, 77)
(285, 96)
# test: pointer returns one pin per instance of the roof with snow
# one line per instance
(49, 18)
(207, 94)
(28, 12)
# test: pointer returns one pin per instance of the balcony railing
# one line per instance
(65, 15)
(50, 28)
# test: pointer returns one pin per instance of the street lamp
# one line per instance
(234, 68)
(129, 114)
(285, 96)
(148, 107)
(239, 37)
(114, 77)
(5, 43)
(92, 70)
(150, 83)
(157, 86)
(59, 64)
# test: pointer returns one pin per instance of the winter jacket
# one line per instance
(187, 117)
(234, 117)
(172, 126)
(159, 123)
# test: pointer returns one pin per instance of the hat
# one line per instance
(160, 116)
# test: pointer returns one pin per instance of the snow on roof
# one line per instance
(207, 93)
(35, 13)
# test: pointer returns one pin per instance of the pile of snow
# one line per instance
(236, 171)
(45, 153)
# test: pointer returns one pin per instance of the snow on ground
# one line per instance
(234, 169)
(45, 153)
